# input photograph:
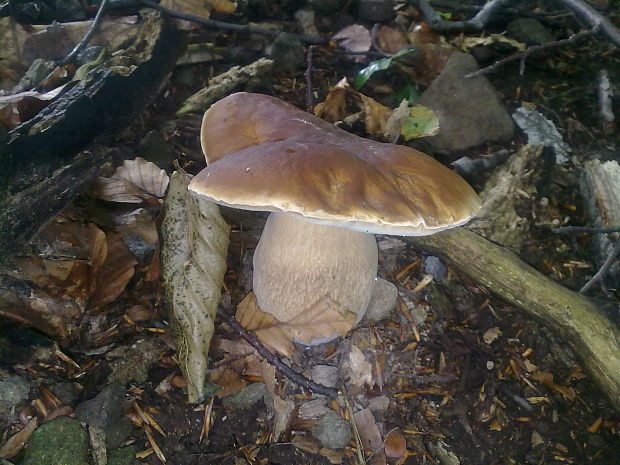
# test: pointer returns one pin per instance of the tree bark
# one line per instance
(577, 319)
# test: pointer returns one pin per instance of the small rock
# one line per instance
(327, 7)
(287, 52)
(470, 112)
(131, 364)
(62, 441)
(154, 148)
(313, 409)
(379, 404)
(123, 456)
(434, 266)
(332, 430)
(246, 397)
(305, 20)
(104, 409)
(117, 433)
(39, 70)
(382, 301)
(326, 375)
(530, 31)
(67, 392)
(376, 11)
(13, 390)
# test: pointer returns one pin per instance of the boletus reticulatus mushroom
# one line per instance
(329, 192)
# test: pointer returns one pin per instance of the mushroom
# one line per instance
(329, 192)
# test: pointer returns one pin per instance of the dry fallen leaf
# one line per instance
(370, 436)
(193, 262)
(355, 38)
(491, 335)
(135, 181)
(356, 368)
(391, 39)
(320, 322)
(395, 444)
(15, 443)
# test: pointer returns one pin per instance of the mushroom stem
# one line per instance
(297, 263)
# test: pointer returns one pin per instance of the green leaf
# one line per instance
(446, 16)
(384, 63)
(421, 122)
(407, 92)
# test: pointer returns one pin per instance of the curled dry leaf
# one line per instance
(322, 321)
(355, 38)
(223, 6)
(136, 181)
(193, 262)
(15, 443)
(491, 335)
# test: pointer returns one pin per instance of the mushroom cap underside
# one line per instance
(266, 155)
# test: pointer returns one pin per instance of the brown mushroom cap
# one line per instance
(264, 154)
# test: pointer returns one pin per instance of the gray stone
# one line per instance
(332, 430)
(105, 409)
(153, 147)
(13, 390)
(376, 11)
(382, 301)
(327, 7)
(379, 404)
(67, 392)
(61, 441)
(117, 433)
(287, 52)
(245, 397)
(326, 375)
(123, 456)
(470, 112)
(131, 364)
(313, 409)
(530, 31)
(39, 70)
(434, 266)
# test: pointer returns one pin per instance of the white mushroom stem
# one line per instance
(297, 263)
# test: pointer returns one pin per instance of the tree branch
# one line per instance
(592, 18)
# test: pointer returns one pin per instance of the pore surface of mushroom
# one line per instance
(330, 191)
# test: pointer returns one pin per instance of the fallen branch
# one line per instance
(87, 38)
(477, 23)
(600, 274)
(595, 340)
(273, 359)
(592, 18)
(531, 50)
(228, 26)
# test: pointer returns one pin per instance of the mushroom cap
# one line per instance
(264, 154)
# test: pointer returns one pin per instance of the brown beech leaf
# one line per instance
(114, 273)
(391, 39)
(240, 360)
(223, 6)
(322, 321)
(136, 181)
(395, 444)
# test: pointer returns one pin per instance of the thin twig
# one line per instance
(600, 274)
(228, 26)
(287, 371)
(87, 38)
(592, 18)
(477, 23)
(533, 49)
(308, 77)
(585, 229)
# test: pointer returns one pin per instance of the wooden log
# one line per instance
(600, 187)
(577, 319)
(43, 162)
